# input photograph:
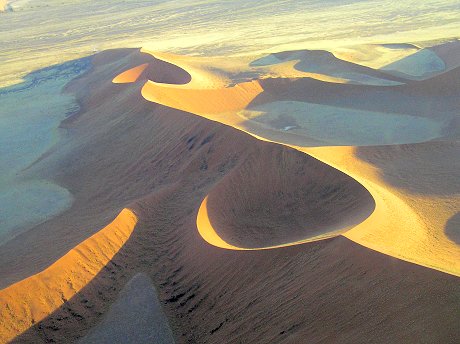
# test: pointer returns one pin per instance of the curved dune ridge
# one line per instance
(31, 300)
(398, 226)
(375, 55)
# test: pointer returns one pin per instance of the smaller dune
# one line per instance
(375, 55)
(419, 65)
(449, 52)
(319, 63)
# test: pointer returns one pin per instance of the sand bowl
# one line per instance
(287, 199)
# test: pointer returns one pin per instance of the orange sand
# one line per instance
(130, 75)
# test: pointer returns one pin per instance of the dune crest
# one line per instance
(45, 292)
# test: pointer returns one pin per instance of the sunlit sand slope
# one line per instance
(398, 226)
(130, 75)
(27, 302)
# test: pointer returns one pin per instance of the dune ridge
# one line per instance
(130, 75)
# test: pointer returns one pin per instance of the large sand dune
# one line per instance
(162, 162)
(403, 234)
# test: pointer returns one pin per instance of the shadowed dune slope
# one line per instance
(286, 198)
(136, 317)
(122, 151)
(449, 52)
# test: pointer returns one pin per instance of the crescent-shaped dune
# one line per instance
(287, 199)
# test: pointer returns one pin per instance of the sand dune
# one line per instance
(130, 75)
(449, 52)
(403, 234)
(203, 101)
(417, 66)
(427, 62)
(123, 151)
(325, 63)
(375, 55)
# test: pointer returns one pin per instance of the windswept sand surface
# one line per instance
(348, 243)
